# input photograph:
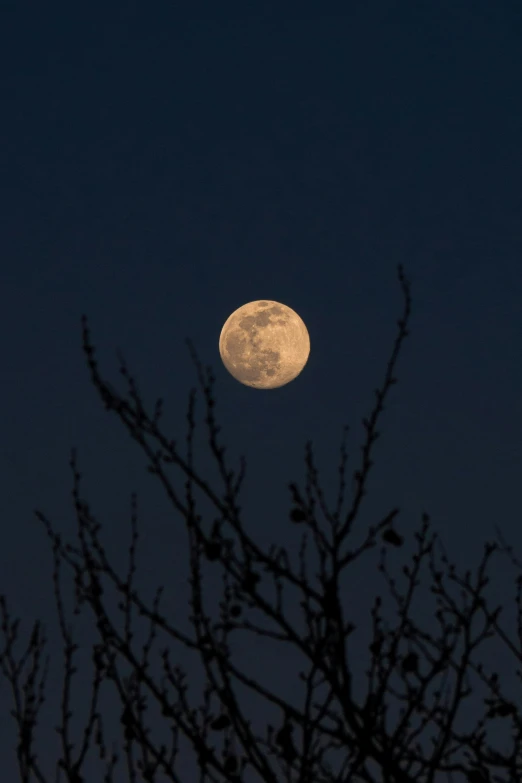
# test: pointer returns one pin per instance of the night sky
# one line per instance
(159, 169)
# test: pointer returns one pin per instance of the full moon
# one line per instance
(264, 344)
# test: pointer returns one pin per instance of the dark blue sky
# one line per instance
(161, 168)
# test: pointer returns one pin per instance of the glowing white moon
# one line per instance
(264, 344)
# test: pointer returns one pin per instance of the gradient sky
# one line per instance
(161, 168)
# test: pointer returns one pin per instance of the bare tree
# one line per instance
(327, 735)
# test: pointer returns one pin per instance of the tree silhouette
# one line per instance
(328, 735)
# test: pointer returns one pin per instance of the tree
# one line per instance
(329, 735)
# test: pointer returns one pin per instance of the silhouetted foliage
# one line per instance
(330, 736)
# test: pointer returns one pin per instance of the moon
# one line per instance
(264, 344)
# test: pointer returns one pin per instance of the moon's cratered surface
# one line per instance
(264, 344)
